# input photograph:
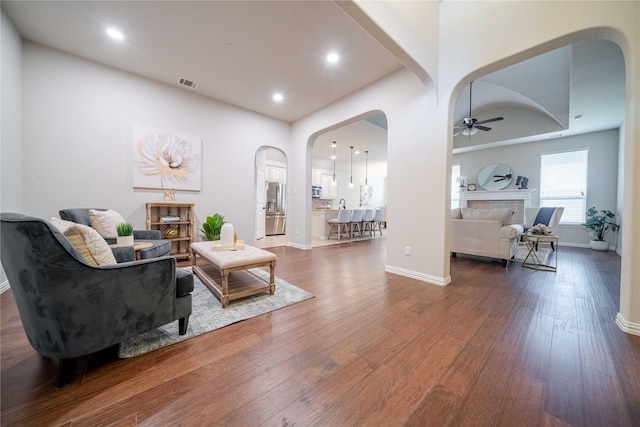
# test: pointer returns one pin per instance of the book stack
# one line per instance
(169, 218)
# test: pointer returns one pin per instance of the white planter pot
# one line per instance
(124, 240)
(599, 245)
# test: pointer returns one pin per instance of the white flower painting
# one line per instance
(166, 160)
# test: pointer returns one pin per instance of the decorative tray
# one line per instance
(237, 246)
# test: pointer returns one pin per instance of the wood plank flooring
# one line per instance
(498, 347)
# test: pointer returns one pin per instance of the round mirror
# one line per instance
(495, 177)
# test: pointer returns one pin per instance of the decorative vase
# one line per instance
(226, 234)
(599, 245)
(124, 240)
(170, 232)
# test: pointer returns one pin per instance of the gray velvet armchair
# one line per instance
(160, 247)
(70, 309)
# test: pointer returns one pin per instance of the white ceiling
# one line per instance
(575, 89)
(241, 52)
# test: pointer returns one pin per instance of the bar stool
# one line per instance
(340, 224)
(356, 222)
(367, 221)
(377, 220)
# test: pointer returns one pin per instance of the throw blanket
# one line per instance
(544, 216)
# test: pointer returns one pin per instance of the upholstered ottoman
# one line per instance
(225, 262)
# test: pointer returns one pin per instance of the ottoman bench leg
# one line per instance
(272, 276)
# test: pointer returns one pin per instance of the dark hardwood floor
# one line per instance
(505, 347)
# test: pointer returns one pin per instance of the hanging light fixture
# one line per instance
(334, 163)
(351, 177)
(366, 167)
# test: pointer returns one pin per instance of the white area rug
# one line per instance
(543, 253)
(208, 314)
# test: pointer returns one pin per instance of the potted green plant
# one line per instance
(211, 228)
(601, 222)
(125, 234)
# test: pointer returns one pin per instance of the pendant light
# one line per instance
(351, 177)
(334, 163)
(366, 167)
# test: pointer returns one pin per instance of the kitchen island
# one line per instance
(319, 222)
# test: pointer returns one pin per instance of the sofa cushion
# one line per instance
(89, 244)
(160, 248)
(456, 214)
(105, 222)
(503, 215)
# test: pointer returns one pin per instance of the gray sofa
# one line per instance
(159, 246)
(484, 232)
(71, 309)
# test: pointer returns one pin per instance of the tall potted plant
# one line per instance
(601, 222)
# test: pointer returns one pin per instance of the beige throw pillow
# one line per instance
(89, 244)
(105, 222)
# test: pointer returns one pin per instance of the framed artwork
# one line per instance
(366, 192)
(166, 160)
(471, 187)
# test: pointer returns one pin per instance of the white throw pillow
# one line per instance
(105, 222)
(89, 244)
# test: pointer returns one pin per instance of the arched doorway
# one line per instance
(359, 169)
(270, 197)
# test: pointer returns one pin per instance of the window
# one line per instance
(455, 186)
(563, 182)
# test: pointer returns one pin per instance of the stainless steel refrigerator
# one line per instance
(276, 208)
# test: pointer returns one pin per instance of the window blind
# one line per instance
(563, 182)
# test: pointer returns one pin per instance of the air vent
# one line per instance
(188, 83)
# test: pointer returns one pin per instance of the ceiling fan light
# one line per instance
(468, 132)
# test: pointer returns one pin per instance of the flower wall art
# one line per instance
(166, 160)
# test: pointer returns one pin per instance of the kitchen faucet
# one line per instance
(343, 204)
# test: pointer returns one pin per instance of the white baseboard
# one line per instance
(298, 246)
(440, 281)
(4, 286)
(626, 326)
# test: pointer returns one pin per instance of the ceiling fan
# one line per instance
(470, 125)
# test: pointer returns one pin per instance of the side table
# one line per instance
(137, 247)
(532, 259)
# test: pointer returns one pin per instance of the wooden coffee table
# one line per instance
(222, 263)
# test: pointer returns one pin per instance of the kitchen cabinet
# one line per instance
(329, 191)
(276, 174)
(316, 177)
(175, 222)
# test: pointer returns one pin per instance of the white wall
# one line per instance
(78, 125)
(524, 159)
(11, 115)
(10, 123)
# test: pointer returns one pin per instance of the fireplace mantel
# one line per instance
(524, 195)
(516, 200)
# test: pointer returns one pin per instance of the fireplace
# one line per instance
(516, 200)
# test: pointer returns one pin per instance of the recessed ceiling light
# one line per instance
(115, 34)
(332, 58)
(278, 97)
